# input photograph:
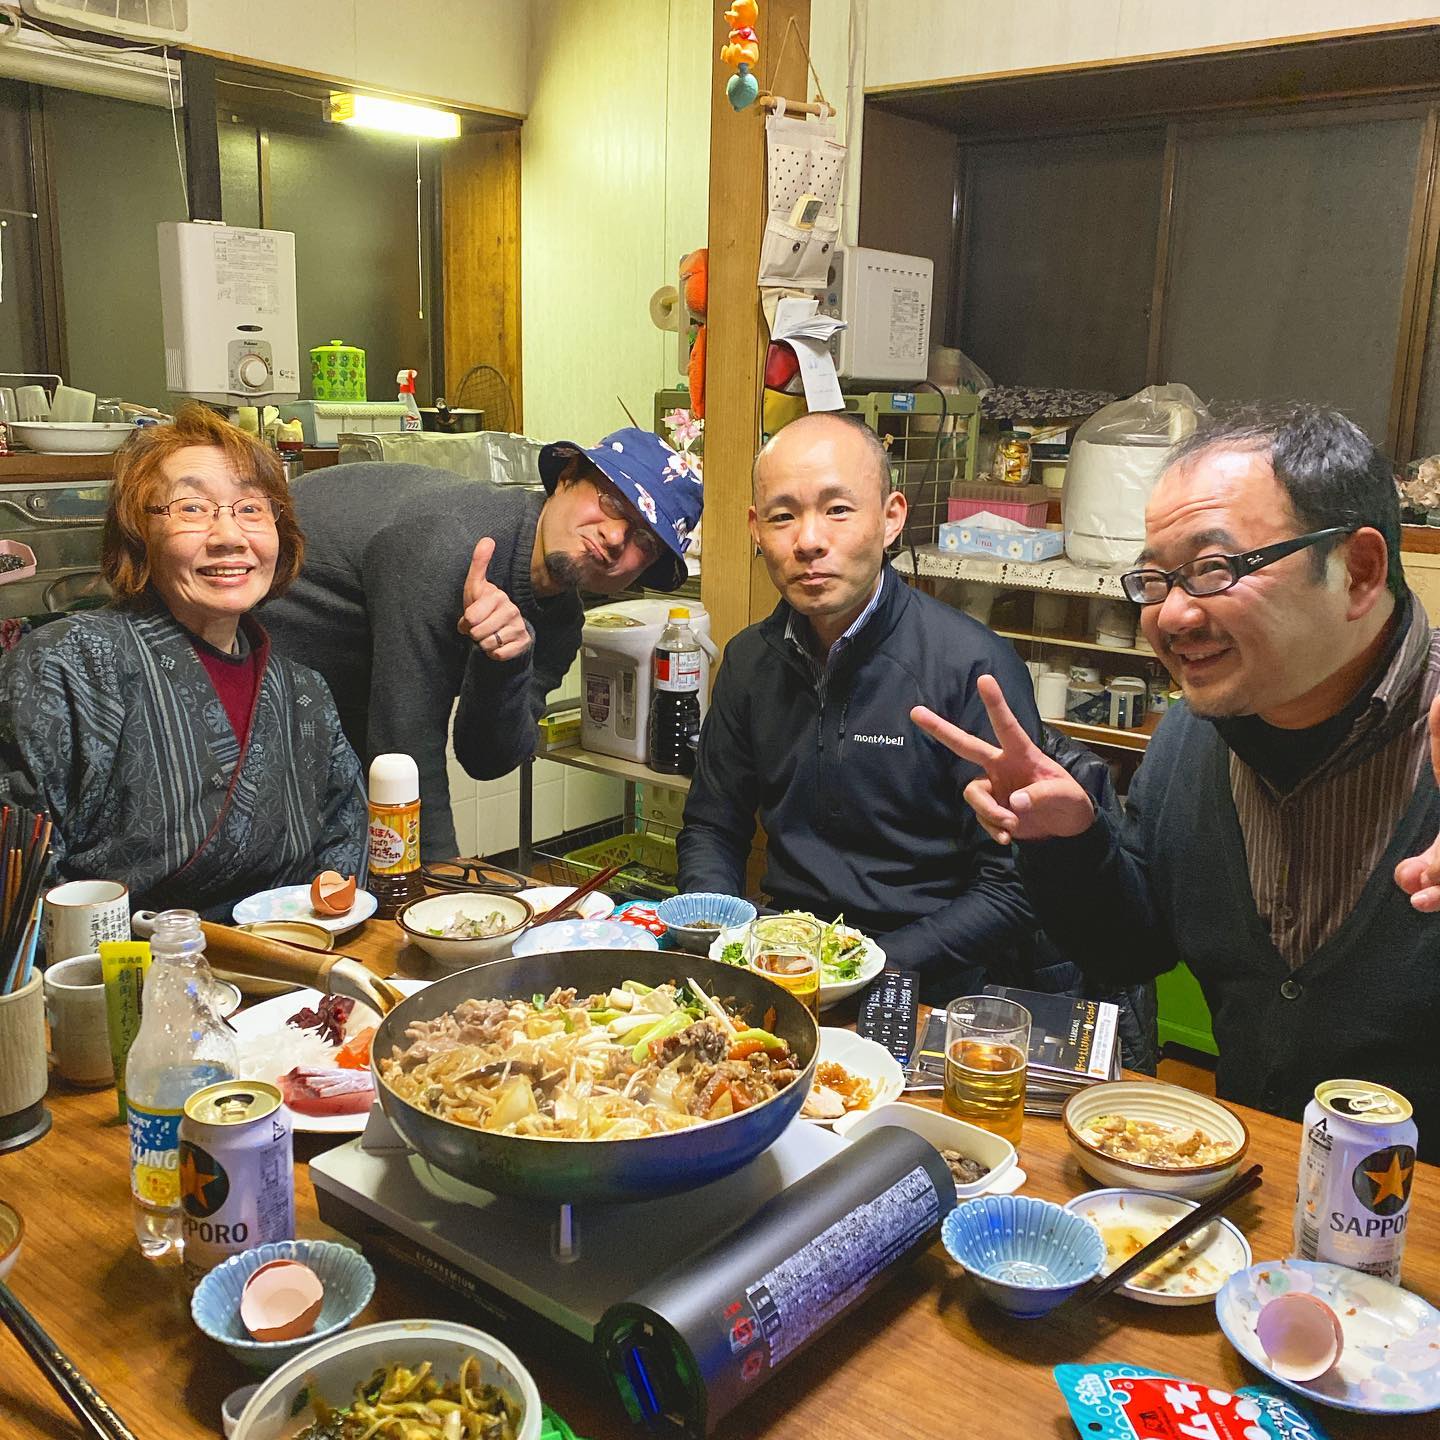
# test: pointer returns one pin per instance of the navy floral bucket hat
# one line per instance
(666, 486)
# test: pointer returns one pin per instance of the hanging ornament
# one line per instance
(742, 53)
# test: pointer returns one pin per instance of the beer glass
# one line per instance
(987, 1040)
(786, 949)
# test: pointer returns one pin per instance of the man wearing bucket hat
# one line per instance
(424, 592)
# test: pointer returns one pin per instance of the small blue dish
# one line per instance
(1026, 1255)
(724, 912)
(215, 1307)
(583, 935)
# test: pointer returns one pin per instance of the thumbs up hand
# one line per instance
(490, 617)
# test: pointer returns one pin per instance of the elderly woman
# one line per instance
(174, 752)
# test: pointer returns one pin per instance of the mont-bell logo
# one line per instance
(878, 739)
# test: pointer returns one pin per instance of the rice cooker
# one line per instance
(616, 675)
(1116, 459)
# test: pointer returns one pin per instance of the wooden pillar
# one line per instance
(481, 245)
(733, 583)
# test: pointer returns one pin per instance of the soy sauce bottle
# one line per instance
(675, 703)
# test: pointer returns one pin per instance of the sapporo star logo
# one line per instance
(1382, 1181)
(204, 1186)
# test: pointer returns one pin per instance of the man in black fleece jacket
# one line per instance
(421, 587)
(808, 728)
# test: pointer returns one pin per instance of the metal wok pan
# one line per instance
(599, 1170)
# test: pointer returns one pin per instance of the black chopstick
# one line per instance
(97, 1419)
(1165, 1242)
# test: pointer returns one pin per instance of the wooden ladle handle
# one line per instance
(266, 959)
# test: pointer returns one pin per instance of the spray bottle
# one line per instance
(410, 420)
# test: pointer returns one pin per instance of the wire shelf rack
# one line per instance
(646, 846)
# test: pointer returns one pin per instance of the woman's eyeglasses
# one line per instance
(1214, 574)
(193, 512)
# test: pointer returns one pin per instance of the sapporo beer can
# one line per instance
(1357, 1161)
(237, 1172)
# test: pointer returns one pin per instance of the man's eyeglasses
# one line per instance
(193, 512)
(614, 504)
(1214, 574)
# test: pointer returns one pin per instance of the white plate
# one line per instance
(866, 1058)
(595, 906)
(269, 1017)
(51, 437)
(831, 991)
(1391, 1361)
(292, 902)
(1129, 1219)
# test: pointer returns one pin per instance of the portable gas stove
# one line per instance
(688, 1303)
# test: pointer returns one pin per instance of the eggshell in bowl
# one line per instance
(1301, 1335)
(332, 893)
(281, 1301)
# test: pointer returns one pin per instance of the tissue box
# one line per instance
(1027, 545)
(1030, 513)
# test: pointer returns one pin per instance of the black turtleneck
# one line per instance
(1283, 758)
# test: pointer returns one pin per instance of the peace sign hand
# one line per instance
(1419, 876)
(1024, 795)
(491, 618)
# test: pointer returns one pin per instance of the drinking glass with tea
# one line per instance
(786, 949)
(987, 1040)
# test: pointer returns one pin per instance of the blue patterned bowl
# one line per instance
(215, 1307)
(1026, 1255)
(680, 912)
(583, 935)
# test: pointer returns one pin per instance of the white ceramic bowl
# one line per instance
(1160, 1104)
(1128, 1219)
(420, 917)
(75, 437)
(336, 1366)
(944, 1132)
(595, 906)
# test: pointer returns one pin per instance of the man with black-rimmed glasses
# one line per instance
(1276, 835)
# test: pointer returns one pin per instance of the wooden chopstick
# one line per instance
(1165, 1242)
(601, 877)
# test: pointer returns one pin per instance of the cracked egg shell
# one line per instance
(281, 1301)
(1301, 1335)
(332, 893)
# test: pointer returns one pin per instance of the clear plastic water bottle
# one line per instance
(675, 703)
(183, 1045)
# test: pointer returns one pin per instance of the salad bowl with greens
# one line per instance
(849, 959)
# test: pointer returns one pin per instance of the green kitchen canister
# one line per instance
(337, 372)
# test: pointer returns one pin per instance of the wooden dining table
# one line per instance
(925, 1356)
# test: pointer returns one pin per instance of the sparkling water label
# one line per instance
(155, 1155)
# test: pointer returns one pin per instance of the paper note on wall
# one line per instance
(808, 333)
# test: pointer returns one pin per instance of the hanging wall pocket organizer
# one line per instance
(806, 166)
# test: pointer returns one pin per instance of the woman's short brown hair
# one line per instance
(140, 482)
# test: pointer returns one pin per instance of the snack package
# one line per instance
(1126, 1402)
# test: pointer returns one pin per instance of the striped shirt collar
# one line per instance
(797, 638)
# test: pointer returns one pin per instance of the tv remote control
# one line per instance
(887, 1013)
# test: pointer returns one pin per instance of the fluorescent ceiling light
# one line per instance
(396, 117)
